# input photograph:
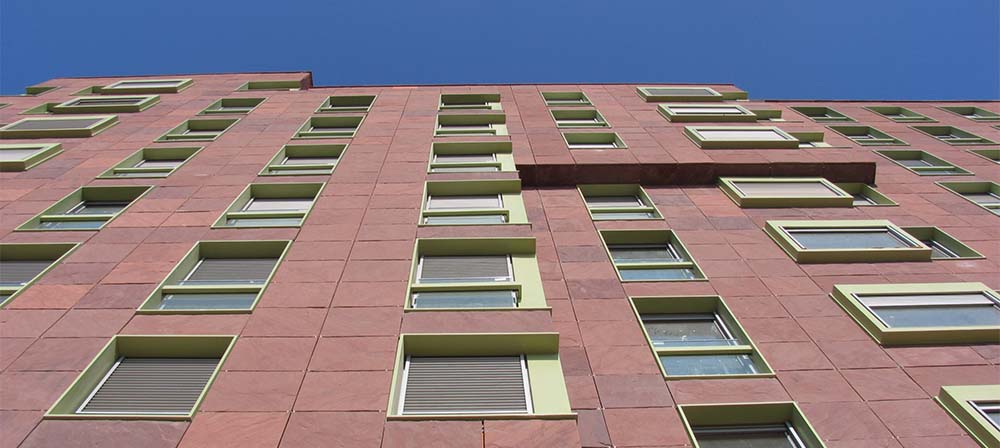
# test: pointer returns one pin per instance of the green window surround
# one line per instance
(954, 136)
(923, 313)
(983, 194)
(151, 163)
(470, 125)
(347, 103)
(468, 157)
(972, 113)
(898, 114)
(846, 241)
(542, 380)
(563, 99)
(698, 338)
(21, 265)
(650, 256)
(699, 113)
(992, 155)
(867, 136)
(923, 163)
(473, 101)
(774, 424)
(229, 106)
(822, 114)
(472, 202)
(810, 139)
(593, 140)
(656, 94)
(976, 409)
(217, 277)
(943, 245)
(145, 86)
(740, 137)
(623, 202)
(271, 205)
(56, 127)
(304, 160)
(337, 126)
(465, 274)
(38, 90)
(104, 104)
(198, 130)
(87, 208)
(280, 85)
(866, 195)
(780, 192)
(24, 156)
(160, 397)
(578, 118)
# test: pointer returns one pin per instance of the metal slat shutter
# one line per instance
(152, 386)
(462, 202)
(465, 385)
(18, 272)
(465, 268)
(232, 270)
(613, 201)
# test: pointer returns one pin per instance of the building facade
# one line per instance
(247, 260)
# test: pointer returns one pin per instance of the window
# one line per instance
(898, 114)
(280, 85)
(23, 157)
(687, 93)
(749, 425)
(578, 118)
(105, 104)
(983, 194)
(923, 163)
(347, 103)
(22, 264)
(976, 409)
(821, 114)
(696, 337)
(593, 140)
(954, 136)
(217, 277)
(145, 86)
(867, 136)
(565, 99)
(693, 113)
(773, 192)
(618, 202)
(271, 205)
(339, 126)
(473, 202)
(304, 160)
(992, 155)
(145, 377)
(471, 157)
(846, 241)
(943, 246)
(87, 208)
(478, 101)
(810, 139)
(865, 195)
(973, 113)
(240, 106)
(650, 256)
(734, 137)
(478, 124)
(475, 273)
(767, 114)
(202, 129)
(151, 162)
(55, 127)
(923, 313)
(484, 376)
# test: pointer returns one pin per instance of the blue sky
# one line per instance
(850, 49)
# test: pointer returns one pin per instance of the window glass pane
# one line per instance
(785, 189)
(465, 299)
(938, 316)
(207, 301)
(852, 239)
(763, 134)
(719, 110)
(678, 91)
(983, 198)
(624, 215)
(470, 219)
(613, 201)
(98, 208)
(263, 221)
(463, 202)
(746, 437)
(464, 269)
(653, 253)
(159, 163)
(464, 169)
(278, 204)
(685, 330)
(19, 272)
(938, 250)
(707, 364)
(71, 224)
(861, 199)
(7, 155)
(105, 101)
(658, 274)
(215, 271)
(64, 123)
(991, 410)
(309, 161)
(148, 84)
